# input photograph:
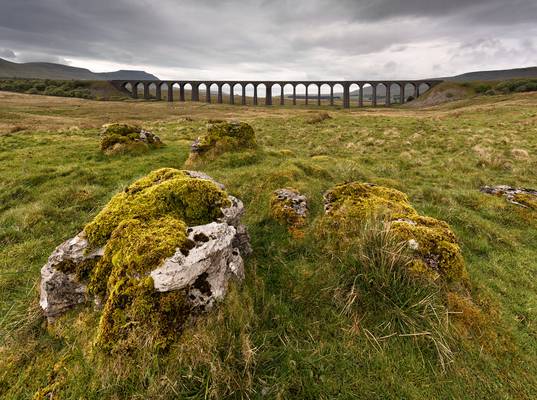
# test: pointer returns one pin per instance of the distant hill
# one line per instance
(42, 70)
(497, 75)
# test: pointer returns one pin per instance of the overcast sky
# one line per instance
(278, 39)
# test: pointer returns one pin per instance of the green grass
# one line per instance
(282, 334)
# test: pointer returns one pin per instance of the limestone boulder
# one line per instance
(120, 138)
(146, 256)
(222, 136)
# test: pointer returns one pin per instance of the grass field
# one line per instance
(281, 334)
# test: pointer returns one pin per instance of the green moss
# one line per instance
(139, 228)
(436, 252)
(360, 200)
(82, 270)
(136, 247)
(162, 192)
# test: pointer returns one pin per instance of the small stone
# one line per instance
(289, 207)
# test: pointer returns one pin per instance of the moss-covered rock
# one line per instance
(431, 241)
(161, 193)
(223, 136)
(289, 207)
(151, 226)
(122, 138)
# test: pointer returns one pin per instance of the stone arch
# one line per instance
(276, 91)
(423, 87)
(325, 93)
(137, 90)
(288, 89)
(338, 90)
(237, 93)
(187, 91)
(128, 87)
(393, 89)
(299, 93)
(408, 90)
(260, 91)
(248, 90)
(354, 93)
(152, 89)
(212, 90)
(311, 93)
(224, 90)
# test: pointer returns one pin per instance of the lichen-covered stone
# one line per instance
(526, 198)
(222, 136)
(289, 207)
(433, 244)
(121, 138)
(180, 222)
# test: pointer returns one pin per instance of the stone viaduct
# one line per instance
(344, 87)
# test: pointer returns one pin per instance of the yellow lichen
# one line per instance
(432, 243)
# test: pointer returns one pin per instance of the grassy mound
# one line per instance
(122, 138)
(139, 228)
(436, 252)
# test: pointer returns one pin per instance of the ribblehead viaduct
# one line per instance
(348, 90)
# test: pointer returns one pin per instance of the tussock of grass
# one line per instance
(391, 302)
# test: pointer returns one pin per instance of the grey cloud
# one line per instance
(285, 38)
(7, 53)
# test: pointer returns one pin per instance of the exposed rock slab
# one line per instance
(207, 268)
(522, 197)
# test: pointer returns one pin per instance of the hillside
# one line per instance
(496, 75)
(41, 70)
(287, 331)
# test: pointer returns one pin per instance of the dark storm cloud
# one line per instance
(278, 38)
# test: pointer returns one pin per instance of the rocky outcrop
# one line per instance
(522, 197)
(147, 254)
